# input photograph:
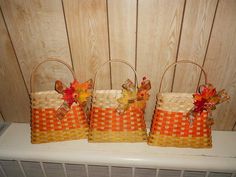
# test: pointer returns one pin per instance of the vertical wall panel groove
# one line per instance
(199, 80)
(2, 172)
(196, 29)
(122, 28)
(13, 48)
(178, 45)
(234, 127)
(136, 35)
(159, 29)
(87, 28)
(109, 46)
(1, 118)
(38, 31)
(220, 62)
(14, 104)
(67, 34)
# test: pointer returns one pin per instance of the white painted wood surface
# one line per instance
(149, 34)
(15, 144)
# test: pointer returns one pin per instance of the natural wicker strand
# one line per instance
(106, 125)
(114, 61)
(182, 61)
(48, 60)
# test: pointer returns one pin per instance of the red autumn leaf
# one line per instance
(208, 92)
(199, 105)
(68, 95)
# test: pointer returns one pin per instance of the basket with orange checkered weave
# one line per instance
(51, 117)
(107, 124)
(174, 124)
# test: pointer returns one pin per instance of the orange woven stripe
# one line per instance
(45, 119)
(177, 124)
(104, 119)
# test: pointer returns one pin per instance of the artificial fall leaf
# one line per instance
(207, 98)
(140, 104)
(125, 100)
(131, 97)
(77, 92)
(145, 84)
(199, 105)
(82, 86)
(68, 95)
(208, 91)
(223, 96)
(128, 85)
(143, 89)
(197, 97)
(214, 100)
(127, 97)
(143, 95)
(83, 96)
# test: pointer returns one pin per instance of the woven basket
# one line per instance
(45, 126)
(170, 124)
(106, 125)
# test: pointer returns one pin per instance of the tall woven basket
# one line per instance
(106, 124)
(45, 125)
(171, 125)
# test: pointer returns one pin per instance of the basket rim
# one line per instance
(107, 91)
(176, 93)
(45, 92)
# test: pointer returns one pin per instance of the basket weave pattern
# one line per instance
(109, 119)
(106, 125)
(117, 136)
(45, 124)
(172, 128)
(176, 102)
(46, 127)
(171, 122)
(177, 124)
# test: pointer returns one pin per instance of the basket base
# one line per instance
(38, 137)
(117, 136)
(181, 142)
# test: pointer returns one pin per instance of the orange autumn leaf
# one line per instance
(77, 92)
(82, 86)
(208, 91)
(131, 97)
(208, 98)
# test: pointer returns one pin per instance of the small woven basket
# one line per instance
(170, 124)
(45, 126)
(107, 125)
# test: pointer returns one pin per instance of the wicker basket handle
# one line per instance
(115, 61)
(45, 61)
(182, 61)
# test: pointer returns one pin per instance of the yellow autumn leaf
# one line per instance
(126, 97)
(83, 96)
